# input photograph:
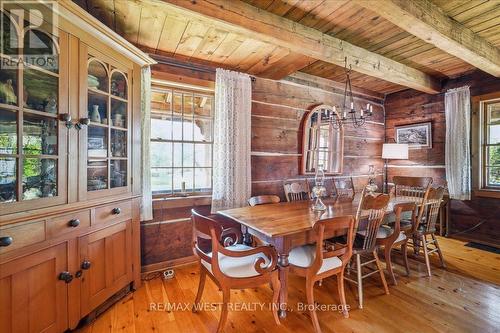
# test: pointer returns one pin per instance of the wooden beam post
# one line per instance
(251, 21)
(428, 22)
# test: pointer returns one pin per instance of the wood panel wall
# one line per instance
(410, 106)
(277, 111)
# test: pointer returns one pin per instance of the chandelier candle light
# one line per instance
(350, 115)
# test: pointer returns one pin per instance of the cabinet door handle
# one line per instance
(66, 277)
(116, 210)
(86, 264)
(74, 223)
(5, 241)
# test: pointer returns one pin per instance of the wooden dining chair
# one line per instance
(344, 187)
(413, 189)
(426, 227)
(263, 200)
(371, 212)
(315, 262)
(232, 265)
(390, 238)
(296, 190)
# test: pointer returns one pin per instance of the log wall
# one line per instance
(410, 106)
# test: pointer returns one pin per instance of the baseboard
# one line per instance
(163, 265)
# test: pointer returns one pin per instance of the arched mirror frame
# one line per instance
(306, 132)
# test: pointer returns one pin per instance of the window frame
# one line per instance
(164, 86)
(484, 145)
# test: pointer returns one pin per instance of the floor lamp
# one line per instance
(393, 151)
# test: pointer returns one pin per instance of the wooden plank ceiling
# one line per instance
(156, 28)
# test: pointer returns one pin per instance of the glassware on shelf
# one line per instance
(118, 143)
(118, 113)
(97, 142)
(118, 85)
(118, 173)
(319, 190)
(97, 77)
(97, 108)
(40, 90)
(97, 175)
(39, 178)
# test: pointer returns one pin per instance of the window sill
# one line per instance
(487, 193)
(175, 202)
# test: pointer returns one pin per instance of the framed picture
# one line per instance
(415, 135)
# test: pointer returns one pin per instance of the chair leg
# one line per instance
(340, 285)
(388, 263)
(275, 282)
(381, 271)
(416, 246)
(426, 255)
(360, 280)
(226, 293)
(443, 264)
(201, 287)
(404, 252)
(310, 302)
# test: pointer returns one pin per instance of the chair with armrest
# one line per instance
(232, 265)
(315, 263)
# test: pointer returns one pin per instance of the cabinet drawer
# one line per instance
(66, 223)
(22, 234)
(120, 211)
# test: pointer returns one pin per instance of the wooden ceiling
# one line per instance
(157, 28)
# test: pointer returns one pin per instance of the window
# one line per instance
(181, 141)
(491, 145)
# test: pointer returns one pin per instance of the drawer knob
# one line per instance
(66, 277)
(5, 241)
(85, 264)
(116, 210)
(74, 223)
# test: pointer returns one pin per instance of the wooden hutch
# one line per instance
(70, 172)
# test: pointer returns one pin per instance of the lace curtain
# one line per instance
(458, 165)
(231, 151)
(147, 199)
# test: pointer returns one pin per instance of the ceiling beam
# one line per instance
(428, 22)
(251, 21)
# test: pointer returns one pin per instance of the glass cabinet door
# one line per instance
(107, 145)
(32, 148)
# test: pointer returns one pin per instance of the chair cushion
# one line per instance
(303, 256)
(240, 267)
(384, 232)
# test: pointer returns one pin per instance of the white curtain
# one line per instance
(231, 152)
(147, 199)
(458, 169)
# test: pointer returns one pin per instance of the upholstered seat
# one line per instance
(303, 256)
(237, 267)
(384, 232)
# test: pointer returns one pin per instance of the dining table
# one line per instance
(286, 225)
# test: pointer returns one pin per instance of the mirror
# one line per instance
(323, 141)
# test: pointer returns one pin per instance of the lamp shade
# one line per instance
(395, 151)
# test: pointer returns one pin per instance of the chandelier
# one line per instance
(349, 115)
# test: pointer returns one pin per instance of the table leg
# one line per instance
(247, 237)
(283, 249)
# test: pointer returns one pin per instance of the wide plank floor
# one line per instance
(463, 298)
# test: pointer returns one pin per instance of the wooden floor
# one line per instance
(463, 298)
